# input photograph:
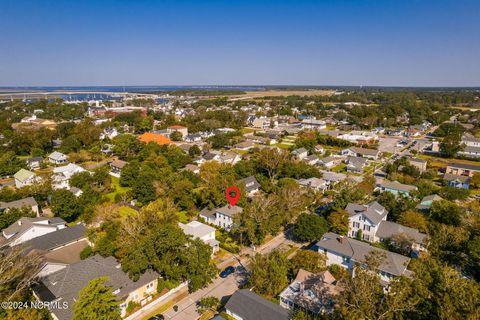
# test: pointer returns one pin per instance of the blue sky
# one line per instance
(388, 42)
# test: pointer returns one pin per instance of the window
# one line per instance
(366, 227)
(366, 237)
(346, 259)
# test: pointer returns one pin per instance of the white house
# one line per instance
(329, 162)
(57, 158)
(300, 153)
(26, 229)
(252, 186)
(360, 137)
(221, 217)
(316, 184)
(109, 133)
(319, 149)
(25, 178)
(63, 174)
(366, 218)
(355, 164)
(201, 231)
(311, 160)
(361, 152)
(371, 220)
(313, 124)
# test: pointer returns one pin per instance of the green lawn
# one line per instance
(118, 189)
(247, 130)
(126, 211)
(283, 146)
(340, 168)
(182, 217)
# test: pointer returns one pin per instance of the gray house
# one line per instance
(247, 305)
(64, 285)
(345, 252)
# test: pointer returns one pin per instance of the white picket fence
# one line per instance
(155, 303)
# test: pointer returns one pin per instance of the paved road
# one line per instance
(223, 288)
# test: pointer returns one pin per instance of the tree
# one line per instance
(65, 205)
(176, 136)
(309, 260)
(194, 151)
(446, 212)
(126, 146)
(310, 227)
(207, 303)
(257, 220)
(434, 286)
(414, 219)
(270, 161)
(452, 193)
(9, 163)
(338, 221)
(129, 174)
(199, 269)
(18, 268)
(363, 297)
(451, 145)
(96, 302)
(475, 180)
(395, 204)
(9, 216)
(143, 189)
(269, 273)
(81, 179)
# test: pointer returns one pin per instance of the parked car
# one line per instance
(157, 317)
(227, 271)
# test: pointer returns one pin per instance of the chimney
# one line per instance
(19, 222)
(365, 207)
(341, 239)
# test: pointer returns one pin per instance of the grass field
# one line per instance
(118, 189)
(438, 162)
(286, 93)
(126, 211)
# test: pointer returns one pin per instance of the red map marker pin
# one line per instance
(232, 199)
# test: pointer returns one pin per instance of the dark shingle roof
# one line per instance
(251, 183)
(25, 223)
(66, 283)
(251, 306)
(18, 204)
(57, 238)
(374, 211)
(229, 210)
(454, 177)
(394, 263)
(388, 229)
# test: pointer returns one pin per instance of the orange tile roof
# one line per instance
(177, 127)
(154, 137)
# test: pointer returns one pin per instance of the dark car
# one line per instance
(157, 317)
(228, 271)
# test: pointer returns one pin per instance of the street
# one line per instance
(223, 288)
